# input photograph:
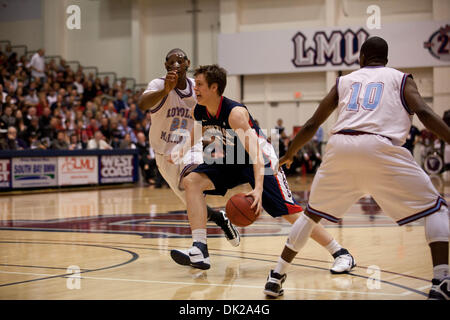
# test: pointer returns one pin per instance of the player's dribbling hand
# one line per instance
(170, 81)
(257, 201)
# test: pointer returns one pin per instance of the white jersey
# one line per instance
(371, 100)
(171, 117)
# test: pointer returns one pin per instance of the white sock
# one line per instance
(199, 235)
(333, 247)
(282, 266)
(440, 271)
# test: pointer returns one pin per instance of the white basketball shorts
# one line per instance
(358, 165)
(174, 173)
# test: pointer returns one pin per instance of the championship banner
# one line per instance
(5, 174)
(34, 172)
(118, 168)
(78, 170)
(411, 45)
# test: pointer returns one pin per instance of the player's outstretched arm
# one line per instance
(150, 99)
(306, 133)
(426, 115)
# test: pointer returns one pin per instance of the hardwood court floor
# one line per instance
(119, 241)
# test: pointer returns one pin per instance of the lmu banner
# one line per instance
(413, 44)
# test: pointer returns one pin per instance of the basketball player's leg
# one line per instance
(343, 260)
(197, 256)
(205, 178)
(174, 174)
(410, 195)
(194, 185)
(329, 199)
(277, 200)
(437, 235)
(298, 236)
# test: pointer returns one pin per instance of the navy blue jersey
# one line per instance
(225, 137)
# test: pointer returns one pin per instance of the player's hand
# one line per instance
(171, 81)
(257, 201)
(287, 160)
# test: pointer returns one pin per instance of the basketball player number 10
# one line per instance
(372, 96)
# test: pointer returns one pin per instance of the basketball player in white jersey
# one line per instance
(170, 101)
(375, 106)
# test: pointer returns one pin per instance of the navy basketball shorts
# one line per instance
(277, 198)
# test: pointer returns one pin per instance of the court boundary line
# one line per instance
(129, 245)
(134, 257)
(210, 284)
(224, 255)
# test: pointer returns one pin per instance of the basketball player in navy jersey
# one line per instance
(170, 101)
(237, 132)
(364, 155)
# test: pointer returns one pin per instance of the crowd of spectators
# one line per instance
(48, 105)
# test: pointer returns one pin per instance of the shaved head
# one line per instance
(374, 49)
(176, 51)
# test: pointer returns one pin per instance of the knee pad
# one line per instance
(437, 226)
(300, 233)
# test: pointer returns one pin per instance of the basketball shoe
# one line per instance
(440, 289)
(343, 262)
(197, 256)
(231, 233)
(274, 284)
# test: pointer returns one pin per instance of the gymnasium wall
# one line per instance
(21, 21)
(132, 37)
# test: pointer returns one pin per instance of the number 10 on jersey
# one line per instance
(372, 96)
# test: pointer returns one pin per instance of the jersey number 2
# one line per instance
(372, 96)
(176, 124)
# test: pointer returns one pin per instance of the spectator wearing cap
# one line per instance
(34, 142)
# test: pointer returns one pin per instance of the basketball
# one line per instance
(239, 210)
